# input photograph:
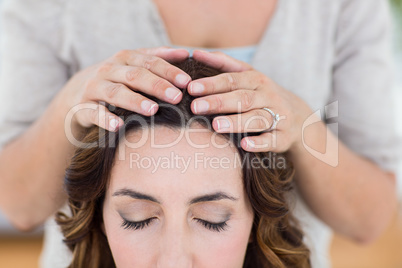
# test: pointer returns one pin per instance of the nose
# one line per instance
(174, 249)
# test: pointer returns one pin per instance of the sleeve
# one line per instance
(363, 82)
(31, 71)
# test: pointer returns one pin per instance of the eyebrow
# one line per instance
(212, 197)
(204, 198)
(135, 195)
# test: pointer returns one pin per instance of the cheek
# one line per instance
(227, 249)
(213, 250)
(129, 248)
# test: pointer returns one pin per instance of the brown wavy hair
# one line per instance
(277, 240)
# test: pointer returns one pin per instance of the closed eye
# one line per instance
(216, 227)
(136, 225)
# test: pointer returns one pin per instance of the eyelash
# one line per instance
(136, 225)
(216, 227)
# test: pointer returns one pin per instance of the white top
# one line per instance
(321, 50)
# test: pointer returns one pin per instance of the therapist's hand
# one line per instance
(120, 80)
(243, 91)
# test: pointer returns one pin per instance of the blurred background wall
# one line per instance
(5, 227)
(341, 250)
(397, 17)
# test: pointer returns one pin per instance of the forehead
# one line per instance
(193, 158)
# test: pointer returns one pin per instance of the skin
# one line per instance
(356, 198)
(185, 26)
(176, 200)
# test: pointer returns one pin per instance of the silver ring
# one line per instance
(275, 117)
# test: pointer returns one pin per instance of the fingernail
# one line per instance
(147, 106)
(182, 79)
(197, 88)
(250, 143)
(152, 108)
(113, 123)
(201, 106)
(223, 123)
(172, 93)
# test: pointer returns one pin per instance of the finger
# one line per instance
(99, 115)
(221, 61)
(232, 102)
(155, 60)
(166, 53)
(226, 82)
(253, 121)
(143, 80)
(161, 68)
(266, 142)
(121, 96)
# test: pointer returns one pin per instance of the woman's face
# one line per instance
(188, 210)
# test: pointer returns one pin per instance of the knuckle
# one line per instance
(122, 54)
(151, 62)
(211, 86)
(158, 84)
(171, 72)
(133, 74)
(134, 100)
(247, 99)
(104, 68)
(90, 84)
(113, 90)
(231, 81)
(219, 104)
(261, 120)
(264, 80)
(262, 124)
